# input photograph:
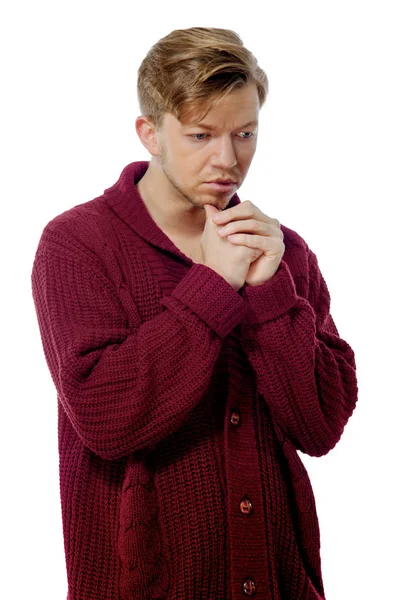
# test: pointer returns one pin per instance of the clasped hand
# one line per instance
(245, 225)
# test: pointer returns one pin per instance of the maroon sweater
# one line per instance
(182, 404)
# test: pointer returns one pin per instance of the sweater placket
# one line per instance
(249, 569)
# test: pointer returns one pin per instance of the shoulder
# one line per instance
(83, 237)
(296, 248)
(84, 227)
(299, 258)
(293, 239)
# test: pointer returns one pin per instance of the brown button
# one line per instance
(249, 587)
(246, 506)
(235, 418)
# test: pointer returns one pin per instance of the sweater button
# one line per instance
(235, 418)
(249, 587)
(246, 506)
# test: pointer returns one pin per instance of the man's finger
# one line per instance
(250, 226)
(266, 245)
(211, 210)
(244, 210)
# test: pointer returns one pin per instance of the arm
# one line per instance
(124, 384)
(304, 370)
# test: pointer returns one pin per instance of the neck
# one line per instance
(168, 208)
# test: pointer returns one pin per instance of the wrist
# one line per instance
(272, 298)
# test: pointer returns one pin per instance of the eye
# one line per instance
(248, 133)
(194, 136)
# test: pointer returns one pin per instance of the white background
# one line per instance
(327, 165)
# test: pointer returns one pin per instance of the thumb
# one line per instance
(210, 210)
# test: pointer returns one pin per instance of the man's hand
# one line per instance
(231, 261)
(245, 225)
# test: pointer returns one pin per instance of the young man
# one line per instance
(190, 341)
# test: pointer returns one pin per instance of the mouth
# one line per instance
(222, 186)
(222, 180)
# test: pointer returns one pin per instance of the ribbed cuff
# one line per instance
(211, 298)
(272, 298)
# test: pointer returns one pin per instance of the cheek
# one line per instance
(191, 167)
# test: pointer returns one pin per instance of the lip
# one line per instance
(222, 187)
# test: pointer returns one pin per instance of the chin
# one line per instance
(217, 199)
(219, 203)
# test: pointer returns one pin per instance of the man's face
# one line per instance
(191, 155)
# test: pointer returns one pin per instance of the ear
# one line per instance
(148, 134)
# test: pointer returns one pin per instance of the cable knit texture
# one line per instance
(181, 406)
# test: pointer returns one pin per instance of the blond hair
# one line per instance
(193, 69)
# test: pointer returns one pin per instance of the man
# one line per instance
(189, 338)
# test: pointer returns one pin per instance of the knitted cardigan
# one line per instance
(181, 406)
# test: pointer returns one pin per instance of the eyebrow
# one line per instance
(210, 127)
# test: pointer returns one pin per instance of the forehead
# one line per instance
(240, 108)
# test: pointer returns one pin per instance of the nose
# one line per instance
(224, 155)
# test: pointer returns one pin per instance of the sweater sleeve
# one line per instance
(126, 384)
(304, 370)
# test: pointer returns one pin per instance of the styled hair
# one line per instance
(191, 70)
